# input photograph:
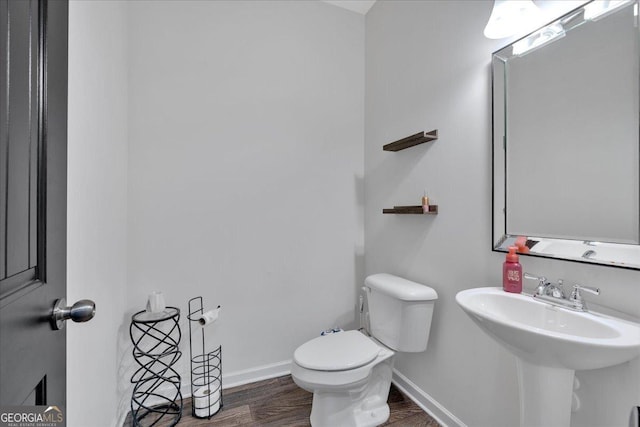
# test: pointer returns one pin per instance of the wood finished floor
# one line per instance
(279, 402)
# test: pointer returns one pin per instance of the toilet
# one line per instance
(349, 373)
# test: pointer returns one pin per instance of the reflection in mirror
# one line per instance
(566, 151)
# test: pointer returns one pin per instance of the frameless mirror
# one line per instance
(566, 150)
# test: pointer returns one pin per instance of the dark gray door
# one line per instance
(33, 138)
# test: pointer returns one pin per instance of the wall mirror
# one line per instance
(566, 150)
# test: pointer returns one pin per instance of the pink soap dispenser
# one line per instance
(512, 272)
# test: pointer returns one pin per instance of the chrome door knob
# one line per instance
(81, 311)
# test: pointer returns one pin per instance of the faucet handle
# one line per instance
(540, 279)
(542, 283)
(576, 296)
(577, 288)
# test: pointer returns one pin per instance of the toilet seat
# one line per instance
(336, 352)
(314, 380)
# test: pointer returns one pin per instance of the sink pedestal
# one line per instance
(545, 395)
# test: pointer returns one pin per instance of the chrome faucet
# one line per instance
(546, 288)
(554, 294)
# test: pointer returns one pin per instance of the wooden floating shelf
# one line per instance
(433, 210)
(410, 141)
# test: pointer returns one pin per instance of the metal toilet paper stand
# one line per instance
(206, 367)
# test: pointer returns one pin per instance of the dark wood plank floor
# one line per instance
(279, 402)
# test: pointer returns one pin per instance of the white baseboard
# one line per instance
(265, 372)
(121, 415)
(426, 402)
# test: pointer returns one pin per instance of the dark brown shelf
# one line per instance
(433, 210)
(410, 141)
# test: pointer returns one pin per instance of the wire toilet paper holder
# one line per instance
(206, 366)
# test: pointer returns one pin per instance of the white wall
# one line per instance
(428, 66)
(242, 181)
(97, 200)
(245, 168)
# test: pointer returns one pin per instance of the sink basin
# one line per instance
(548, 335)
(550, 343)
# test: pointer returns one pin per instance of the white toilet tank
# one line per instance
(400, 312)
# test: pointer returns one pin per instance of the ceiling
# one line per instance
(359, 6)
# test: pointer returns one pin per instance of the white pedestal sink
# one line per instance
(550, 344)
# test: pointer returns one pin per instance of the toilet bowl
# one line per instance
(349, 373)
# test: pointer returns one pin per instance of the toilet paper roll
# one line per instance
(206, 400)
(155, 302)
(209, 317)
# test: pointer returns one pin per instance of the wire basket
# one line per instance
(206, 367)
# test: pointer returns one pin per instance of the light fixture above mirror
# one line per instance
(510, 17)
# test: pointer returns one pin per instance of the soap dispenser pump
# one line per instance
(512, 272)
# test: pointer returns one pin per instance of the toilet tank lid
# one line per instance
(400, 288)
